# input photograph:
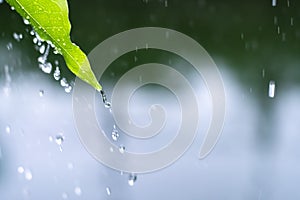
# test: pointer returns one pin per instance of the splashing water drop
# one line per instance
(132, 179)
(272, 88)
(108, 192)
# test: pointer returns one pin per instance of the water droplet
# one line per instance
(77, 191)
(70, 166)
(108, 191)
(283, 37)
(28, 175)
(9, 46)
(115, 135)
(7, 129)
(68, 89)
(17, 37)
(263, 73)
(132, 179)
(21, 170)
(42, 49)
(1, 1)
(275, 20)
(292, 21)
(135, 58)
(26, 22)
(272, 88)
(278, 29)
(274, 3)
(12, 8)
(288, 3)
(59, 139)
(56, 74)
(50, 138)
(47, 67)
(147, 46)
(41, 93)
(121, 149)
(63, 82)
(64, 195)
(166, 3)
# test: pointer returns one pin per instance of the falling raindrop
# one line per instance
(7, 129)
(166, 3)
(272, 88)
(132, 179)
(292, 21)
(18, 37)
(9, 46)
(70, 166)
(64, 195)
(108, 191)
(77, 191)
(263, 73)
(21, 170)
(274, 3)
(28, 175)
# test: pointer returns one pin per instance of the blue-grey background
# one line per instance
(257, 156)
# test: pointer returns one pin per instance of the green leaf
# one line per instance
(50, 20)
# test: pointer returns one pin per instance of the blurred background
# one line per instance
(255, 45)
